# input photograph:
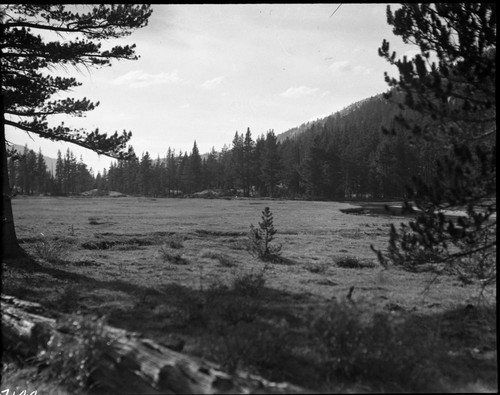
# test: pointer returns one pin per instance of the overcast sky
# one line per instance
(207, 71)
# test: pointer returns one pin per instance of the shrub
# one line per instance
(167, 255)
(260, 239)
(206, 253)
(175, 242)
(250, 284)
(220, 305)
(223, 259)
(349, 262)
(371, 347)
(316, 267)
(225, 305)
(52, 250)
(256, 346)
(94, 221)
(68, 301)
(72, 360)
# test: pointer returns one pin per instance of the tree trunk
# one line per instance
(128, 363)
(10, 246)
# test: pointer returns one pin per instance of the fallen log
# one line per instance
(128, 362)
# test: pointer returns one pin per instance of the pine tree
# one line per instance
(84, 178)
(41, 173)
(226, 174)
(27, 171)
(70, 170)
(145, 175)
(291, 159)
(160, 176)
(238, 161)
(260, 147)
(28, 90)
(271, 164)
(260, 238)
(312, 169)
(59, 176)
(455, 97)
(212, 170)
(184, 173)
(249, 165)
(99, 182)
(195, 169)
(171, 171)
(332, 172)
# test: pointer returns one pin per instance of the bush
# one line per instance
(316, 267)
(221, 306)
(167, 255)
(175, 242)
(72, 360)
(349, 262)
(256, 346)
(224, 260)
(94, 221)
(225, 306)
(249, 284)
(52, 250)
(372, 347)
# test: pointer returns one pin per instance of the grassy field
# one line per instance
(178, 271)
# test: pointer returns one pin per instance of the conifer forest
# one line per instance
(343, 156)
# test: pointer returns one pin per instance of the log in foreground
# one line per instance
(128, 362)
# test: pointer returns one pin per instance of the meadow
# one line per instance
(326, 316)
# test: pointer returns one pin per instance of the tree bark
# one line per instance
(10, 245)
(129, 363)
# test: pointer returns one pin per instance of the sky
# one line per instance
(208, 71)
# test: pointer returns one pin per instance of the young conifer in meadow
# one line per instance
(260, 238)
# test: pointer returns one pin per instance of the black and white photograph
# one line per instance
(248, 198)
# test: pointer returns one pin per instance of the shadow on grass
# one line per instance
(246, 325)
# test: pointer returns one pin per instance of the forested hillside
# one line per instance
(350, 157)
(342, 156)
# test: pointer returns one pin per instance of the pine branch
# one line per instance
(112, 147)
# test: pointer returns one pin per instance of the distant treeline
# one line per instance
(345, 156)
(28, 174)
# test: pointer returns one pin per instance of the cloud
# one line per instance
(344, 66)
(141, 79)
(213, 83)
(299, 91)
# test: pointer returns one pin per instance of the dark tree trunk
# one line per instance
(10, 245)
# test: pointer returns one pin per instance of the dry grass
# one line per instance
(227, 306)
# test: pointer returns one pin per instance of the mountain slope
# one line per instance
(319, 123)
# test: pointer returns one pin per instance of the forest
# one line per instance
(343, 156)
